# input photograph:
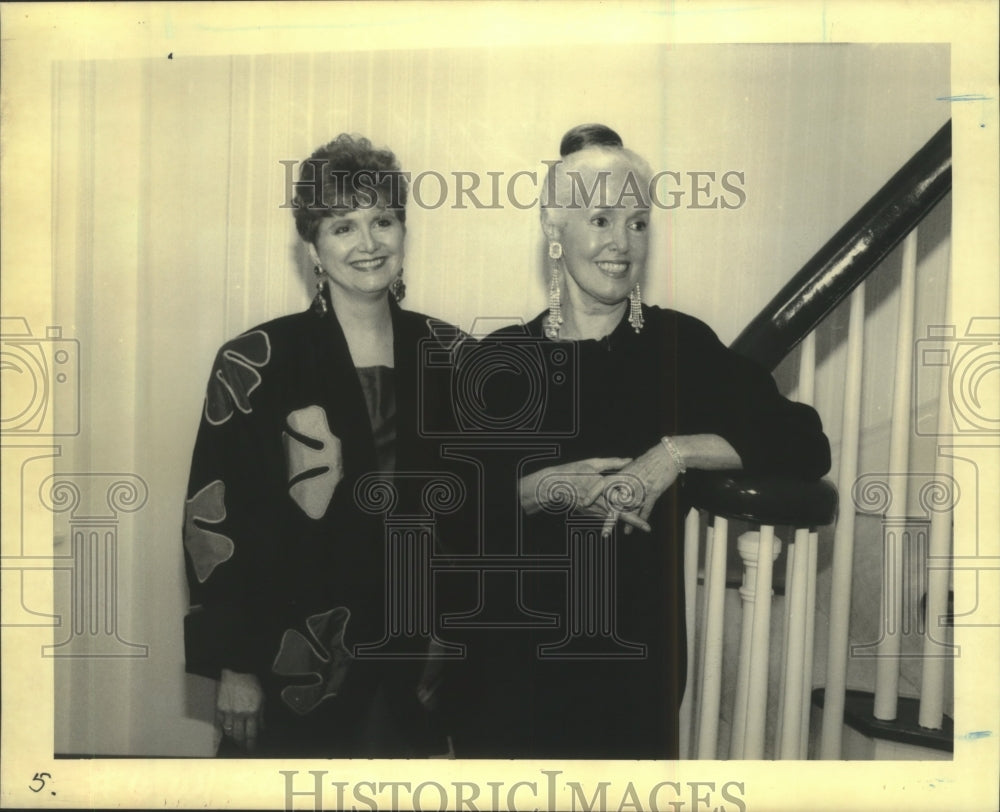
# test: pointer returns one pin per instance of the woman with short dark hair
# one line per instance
(287, 574)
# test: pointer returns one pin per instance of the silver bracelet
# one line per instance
(675, 455)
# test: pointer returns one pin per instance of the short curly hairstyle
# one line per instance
(350, 173)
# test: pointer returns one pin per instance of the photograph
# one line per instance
(500, 406)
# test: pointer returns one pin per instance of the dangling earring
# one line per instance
(398, 287)
(319, 300)
(635, 308)
(555, 304)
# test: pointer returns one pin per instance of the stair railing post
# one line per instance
(843, 539)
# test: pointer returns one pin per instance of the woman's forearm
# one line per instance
(709, 452)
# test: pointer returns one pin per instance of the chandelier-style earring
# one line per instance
(554, 318)
(319, 300)
(398, 287)
(635, 308)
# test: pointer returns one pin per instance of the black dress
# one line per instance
(606, 680)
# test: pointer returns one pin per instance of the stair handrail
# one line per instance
(850, 255)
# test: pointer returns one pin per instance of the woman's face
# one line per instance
(605, 243)
(361, 249)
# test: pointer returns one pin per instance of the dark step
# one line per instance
(859, 713)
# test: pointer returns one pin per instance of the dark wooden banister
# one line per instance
(809, 297)
(850, 254)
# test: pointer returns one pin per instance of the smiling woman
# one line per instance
(597, 225)
(597, 667)
(283, 566)
(361, 251)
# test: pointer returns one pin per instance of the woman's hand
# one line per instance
(655, 471)
(238, 707)
(581, 485)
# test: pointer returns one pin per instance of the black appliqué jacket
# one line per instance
(286, 562)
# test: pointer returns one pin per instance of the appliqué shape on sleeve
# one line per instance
(235, 376)
(313, 456)
(325, 658)
(207, 549)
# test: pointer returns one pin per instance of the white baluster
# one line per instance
(936, 656)
(692, 528)
(786, 622)
(748, 545)
(795, 604)
(887, 669)
(760, 644)
(699, 687)
(807, 670)
(715, 584)
(806, 394)
(843, 539)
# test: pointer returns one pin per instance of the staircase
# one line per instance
(913, 618)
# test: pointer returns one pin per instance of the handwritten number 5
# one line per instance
(40, 778)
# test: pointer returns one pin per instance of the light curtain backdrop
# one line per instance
(169, 237)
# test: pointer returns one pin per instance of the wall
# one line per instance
(169, 236)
